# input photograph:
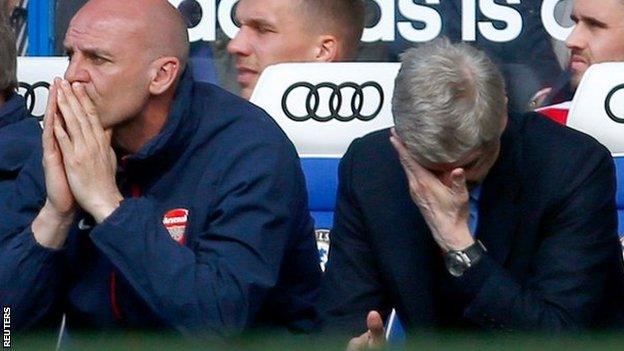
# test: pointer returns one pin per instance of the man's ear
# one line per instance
(164, 75)
(328, 49)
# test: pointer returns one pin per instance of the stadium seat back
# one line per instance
(598, 110)
(323, 107)
(619, 199)
(35, 74)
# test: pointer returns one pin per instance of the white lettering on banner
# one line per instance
(431, 18)
(494, 11)
(426, 14)
(469, 18)
(509, 15)
(384, 29)
(550, 23)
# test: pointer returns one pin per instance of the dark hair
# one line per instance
(342, 18)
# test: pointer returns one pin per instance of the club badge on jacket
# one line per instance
(175, 221)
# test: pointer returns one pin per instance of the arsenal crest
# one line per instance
(175, 222)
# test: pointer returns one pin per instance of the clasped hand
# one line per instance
(78, 160)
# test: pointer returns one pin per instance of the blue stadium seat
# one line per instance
(321, 176)
(598, 110)
(296, 89)
(322, 107)
(619, 199)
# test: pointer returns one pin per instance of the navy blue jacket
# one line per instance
(248, 257)
(20, 135)
(546, 216)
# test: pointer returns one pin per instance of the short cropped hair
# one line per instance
(449, 99)
(8, 60)
(343, 18)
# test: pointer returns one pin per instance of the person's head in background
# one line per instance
(7, 7)
(598, 35)
(8, 62)
(275, 31)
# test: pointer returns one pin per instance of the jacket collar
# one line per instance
(499, 205)
(13, 110)
(170, 143)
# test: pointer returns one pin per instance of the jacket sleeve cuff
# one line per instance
(473, 280)
(123, 213)
(488, 288)
(27, 241)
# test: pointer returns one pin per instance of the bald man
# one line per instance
(276, 31)
(157, 201)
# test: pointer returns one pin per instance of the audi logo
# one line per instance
(329, 97)
(31, 94)
(608, 104)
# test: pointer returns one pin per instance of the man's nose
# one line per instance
(239, 45)
(576, 38)
(76, 72)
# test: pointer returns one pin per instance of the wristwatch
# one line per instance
(458, 261)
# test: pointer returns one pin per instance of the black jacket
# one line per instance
(546, 216)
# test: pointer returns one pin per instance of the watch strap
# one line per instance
(475, 252)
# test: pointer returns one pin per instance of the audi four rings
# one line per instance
(608, 104)
(30, 94)
(361, 93)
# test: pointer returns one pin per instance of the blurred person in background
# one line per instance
(157, 202)
(20, 133)
(596, 37)
(276, 31)
(527, 62)
(6, 9)
(16, 16)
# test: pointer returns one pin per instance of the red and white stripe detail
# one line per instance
(557, 113)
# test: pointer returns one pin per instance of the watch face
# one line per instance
(455, 264)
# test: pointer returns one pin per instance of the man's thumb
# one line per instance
(375, 324)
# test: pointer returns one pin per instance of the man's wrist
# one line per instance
(103, 211)
(460, 240)
(50, 227)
